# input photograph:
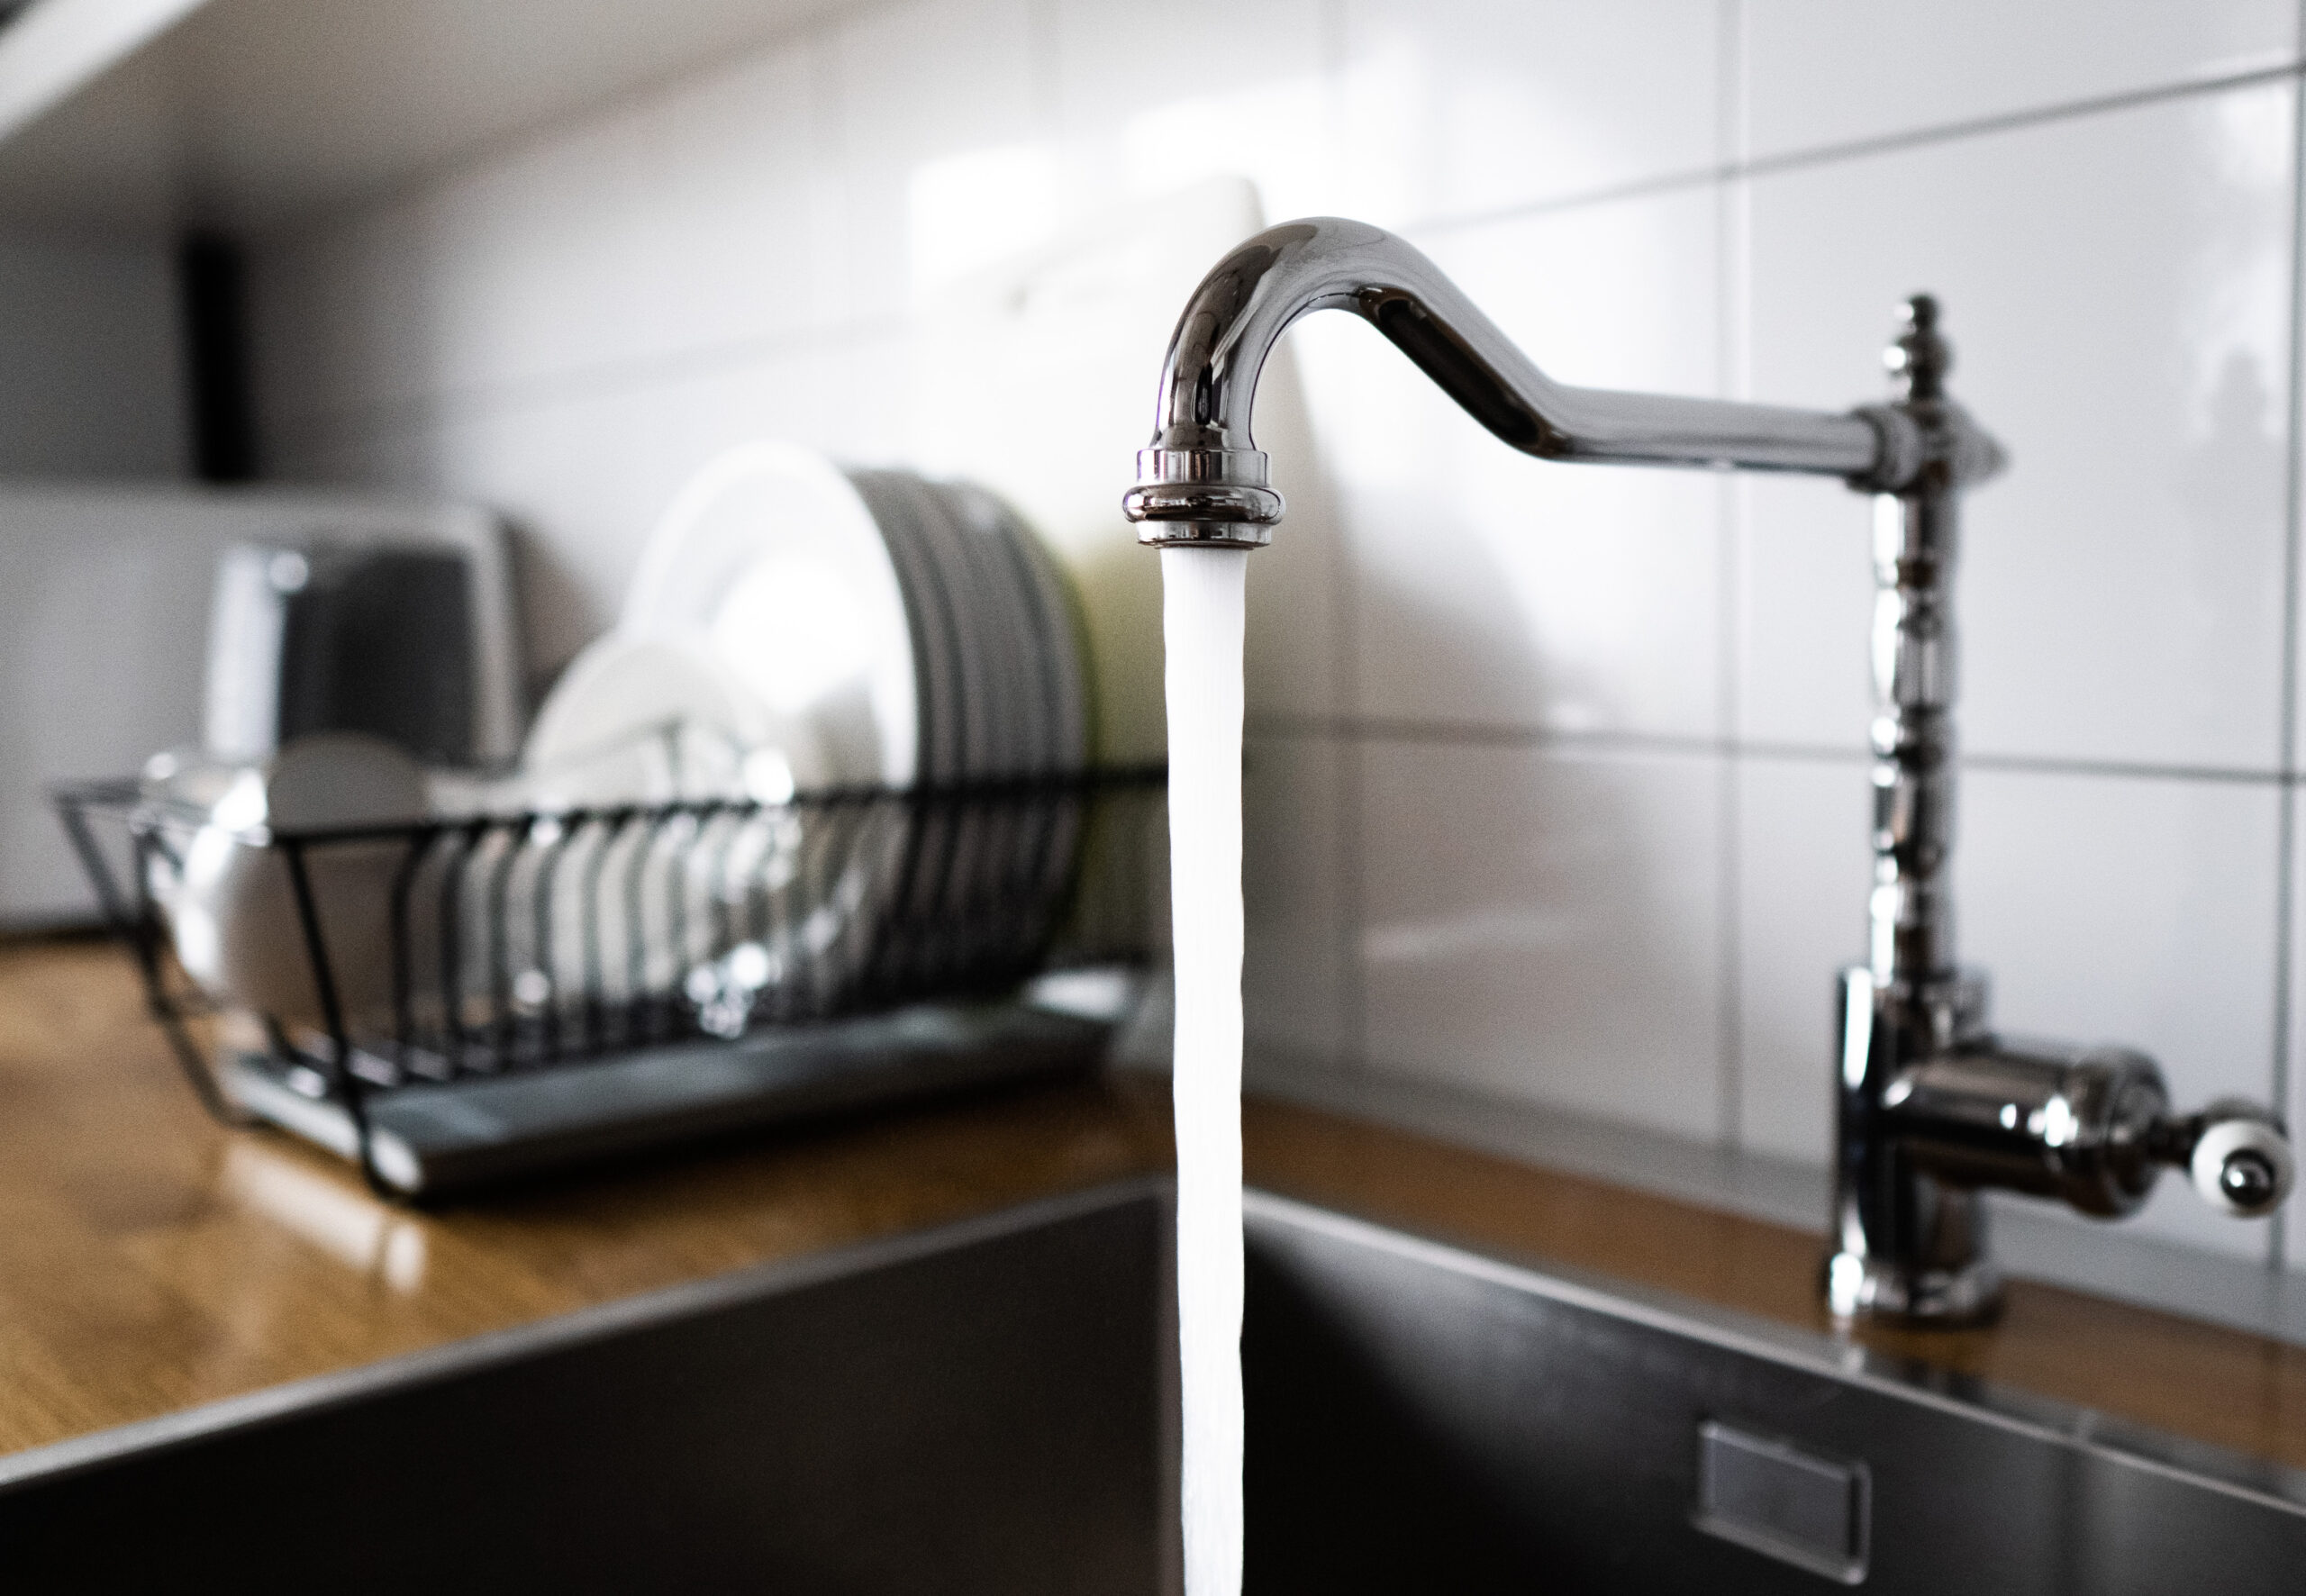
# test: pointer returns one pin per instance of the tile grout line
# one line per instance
(1348, 762)
(2286, 733)
(1474, 734)
(2127, 769)
(1856, 148)
(1731, 339)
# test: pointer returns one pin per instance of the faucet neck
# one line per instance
(1917, 532)
(1204, 480)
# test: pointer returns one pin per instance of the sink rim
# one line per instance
(2125, 1443)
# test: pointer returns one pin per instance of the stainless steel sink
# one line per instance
(989, 1408)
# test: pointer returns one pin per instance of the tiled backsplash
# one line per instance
(1558, 794)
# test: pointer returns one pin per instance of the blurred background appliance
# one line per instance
(318, 636)
(105, 595)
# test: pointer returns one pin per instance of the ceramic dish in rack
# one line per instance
(228, 896)
(643, 720)
(771, 560)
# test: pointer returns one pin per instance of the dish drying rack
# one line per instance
(458, 1000)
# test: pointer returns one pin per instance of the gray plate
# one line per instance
(930, 611)
(987, 714)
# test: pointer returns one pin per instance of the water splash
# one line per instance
(1203, 591)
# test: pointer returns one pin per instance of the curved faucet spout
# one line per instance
(1204, 480)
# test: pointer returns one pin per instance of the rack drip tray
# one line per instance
(427, 1140)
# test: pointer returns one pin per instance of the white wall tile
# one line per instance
(1805, 595)
(2139, 911)
(920, 85)
(2116, 289)
(836, 396)
(1155, 96)
(1294, 896)
(1498, 589)
(1540, 924)
(1804, 868)
(1825, 72)
(1467, 106)
(576, 480)
(738, 225)
(537, 261)
(683, 220)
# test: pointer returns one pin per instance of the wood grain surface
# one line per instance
(151, 1260)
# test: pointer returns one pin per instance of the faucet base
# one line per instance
(1876, 1290)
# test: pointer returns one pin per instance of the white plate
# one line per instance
(772, 559)
(642, 720)
(229, 901)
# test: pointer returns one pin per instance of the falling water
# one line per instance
(1203, 591)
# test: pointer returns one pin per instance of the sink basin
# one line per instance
(989, 1408)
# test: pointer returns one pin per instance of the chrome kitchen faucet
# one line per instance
(1931, 1107)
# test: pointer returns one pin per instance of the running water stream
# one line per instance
(1203, 591)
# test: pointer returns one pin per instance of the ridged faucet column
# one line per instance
(1907, 1245)
(1916, 534)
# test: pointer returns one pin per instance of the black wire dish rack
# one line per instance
(457, 1001)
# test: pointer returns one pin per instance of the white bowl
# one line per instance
(230, 901)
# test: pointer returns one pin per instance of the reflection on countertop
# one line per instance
(150, 1261)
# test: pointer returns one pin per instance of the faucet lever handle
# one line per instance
(2236, 1154)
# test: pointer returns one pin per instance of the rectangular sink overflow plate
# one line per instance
(1778, 1499)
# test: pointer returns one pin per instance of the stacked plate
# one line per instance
(792, 626)
(902, 649)
(909, 632)
(1003, 707)
(996, 662)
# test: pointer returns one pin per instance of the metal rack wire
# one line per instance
(361, 961)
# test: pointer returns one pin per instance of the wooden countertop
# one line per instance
(150, 1260)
